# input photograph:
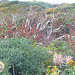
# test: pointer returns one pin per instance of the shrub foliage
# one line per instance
(20, 57)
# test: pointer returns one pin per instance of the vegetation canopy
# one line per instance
(37, 38)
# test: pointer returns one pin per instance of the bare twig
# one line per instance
(13, 70)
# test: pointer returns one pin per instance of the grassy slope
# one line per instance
(16, 5)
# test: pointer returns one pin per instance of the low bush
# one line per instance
(21, 58)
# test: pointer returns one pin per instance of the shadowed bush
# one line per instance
(21, 57)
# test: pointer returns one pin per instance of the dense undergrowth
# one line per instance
(35, 40)
(22, 56)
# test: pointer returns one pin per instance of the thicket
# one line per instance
(21, 58)
(56, 35)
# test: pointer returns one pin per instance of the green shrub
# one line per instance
(66, 70)
(58, 46)
(25, 58)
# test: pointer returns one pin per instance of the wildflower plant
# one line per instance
(67, 68)
(52, 70)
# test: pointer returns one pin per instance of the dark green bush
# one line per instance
(22, 56)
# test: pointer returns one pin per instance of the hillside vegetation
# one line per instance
(16, 5)
(37, 38)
